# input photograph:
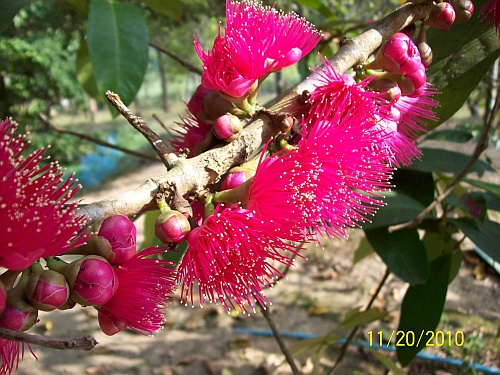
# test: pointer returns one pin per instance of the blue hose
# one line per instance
(422, 355)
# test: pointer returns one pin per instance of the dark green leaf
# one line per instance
(415, 184)
(398, 209)
(450, 135)
(474, 204)
(85, 74)
(355, 317)
(461, 59)
(402, 252)
(80, 6)
(444, 161)
(364, 249)
(9, 9)
(486, 236)
(437, 244)
(172, 8)
(117, 38)
(492, 188)
(422, 308)
(456, 262)
(386, 361)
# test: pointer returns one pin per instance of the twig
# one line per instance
(481, 146)
(98, 141)
(75, 343)
(183, 62)
(160, 122)
(279, 340)
(140, 125)
(343, 349)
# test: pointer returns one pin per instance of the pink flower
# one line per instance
(35, 219)
(11, 352)
(145, 286)
(191, 133)
(229, 257)
(491, 13)
(257, 40)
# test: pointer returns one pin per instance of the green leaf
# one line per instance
(473, 204)
(402, 252)
(386, 361)
(355, 317)
(8, 10)
(437, 244)
(445, 161)
(81, 6)
(486, 236)
(450, 135)
(456, 262)
(313, 344)
(492, 188)
(117, 38)
(461, 59)
(85, 73)
(364, 249)
(415, 184)
(172, 8)
(422, 308)
(398, 209)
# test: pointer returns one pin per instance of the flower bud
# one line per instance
(92, 280)
(109, 324)
(172, 226)
(116, 239)
(464, 9)
(238, 175)
(442, 16)
(227, 127)
(418, 79)
(17, 318)
(47, 290)
(388, 89)
(216, 105)
(196, 103)
(398, 54)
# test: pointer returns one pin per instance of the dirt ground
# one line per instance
(313, 299)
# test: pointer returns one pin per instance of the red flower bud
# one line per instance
(116, 240)
(172, 226)
(227, 127)
(464, 9)
(398, 54)
(196, 103)
(18, 318)
(47, 290)
(92, 280)
(442, 16)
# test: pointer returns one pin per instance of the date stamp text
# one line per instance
(411, 338)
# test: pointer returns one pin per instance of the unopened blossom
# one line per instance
(491, 13)
(257, 40)
(230, 259)
(145, 286)
(116, 239)
(36, 219)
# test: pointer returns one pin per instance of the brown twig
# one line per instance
(140, 125)
(345, 346)
(284, 349)
(481, 146)
(183, 62)
(75, 343)
(98, 141)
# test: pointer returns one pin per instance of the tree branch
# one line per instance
(192, 175)
(183, 62)
(75, 343)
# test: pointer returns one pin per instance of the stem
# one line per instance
(279, 340)
(76, 343)
(140, 125)
(345, 346)
(183, 62)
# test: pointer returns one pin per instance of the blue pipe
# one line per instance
(422, 355)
